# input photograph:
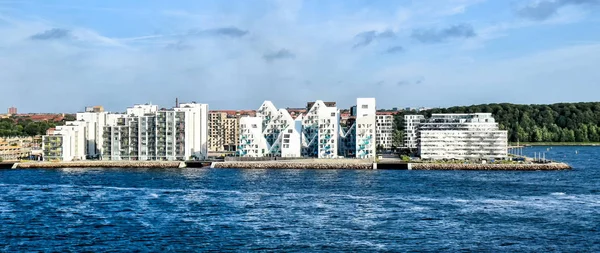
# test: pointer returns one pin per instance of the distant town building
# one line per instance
(461, 136)
(385, 130)
(12, 110)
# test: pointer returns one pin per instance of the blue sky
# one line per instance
(62, 55)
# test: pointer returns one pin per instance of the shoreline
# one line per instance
(296, 164)
(532, 144)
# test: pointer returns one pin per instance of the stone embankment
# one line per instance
(293, 165)
(102, 164)
(506, 167)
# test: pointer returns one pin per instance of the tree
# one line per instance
(566, 122)
(397, 138)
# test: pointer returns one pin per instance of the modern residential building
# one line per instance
(320, 130)
(12, 151)
(411, 124)
(385, 130)
(147, 133)
(461, 136)
(96, 119)
(143, 133)
(252, 140)
(12, 110)
(141, 110)
(366, 129)
(223, 130)
(67, 143)
(315, 133)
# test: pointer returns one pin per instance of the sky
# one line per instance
(63, 55)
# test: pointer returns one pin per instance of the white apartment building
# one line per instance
(94, 129)
(252, 140)
(195, 125)
(365, 128)
(462, 136)
(411, 124)
(280, 133)
(148, 134)
(320, 131)
(141, 110)
(317, 133)
(291, 141)
(385, 130)
(67, 143)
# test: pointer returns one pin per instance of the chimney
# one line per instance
(176, 102)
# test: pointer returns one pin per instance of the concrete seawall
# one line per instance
(506, 167)
(293, 165)
(102, 164)
(352, 164)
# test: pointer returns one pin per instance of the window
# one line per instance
(290, 131)
(365, 106)
(333, 114)
(254, 126)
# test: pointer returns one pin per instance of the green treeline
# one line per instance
(24, 127)
(564, 122)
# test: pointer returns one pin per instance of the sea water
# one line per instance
(162, 210)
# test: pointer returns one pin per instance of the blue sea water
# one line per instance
(304, 210)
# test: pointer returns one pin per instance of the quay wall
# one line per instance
(293, 165)
(316, 164)
(102, 164)
(506, 167)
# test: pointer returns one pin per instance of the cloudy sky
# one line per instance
(62, 55)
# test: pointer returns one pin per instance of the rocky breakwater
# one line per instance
(293, 165)
(507, 167)
(103, 164)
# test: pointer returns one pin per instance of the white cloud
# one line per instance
(318, 62)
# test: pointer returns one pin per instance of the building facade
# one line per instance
(462, 136)
(223, 131)
(320, 131)
(12, 111)
(252, 141)
(315, 133)
(411, 124)
(66, 143)
(148, 134)
(385, 130)
(366, 129)
(95, 121)
(142, 133)
(12, 151)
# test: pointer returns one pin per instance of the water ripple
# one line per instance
(298, 211)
